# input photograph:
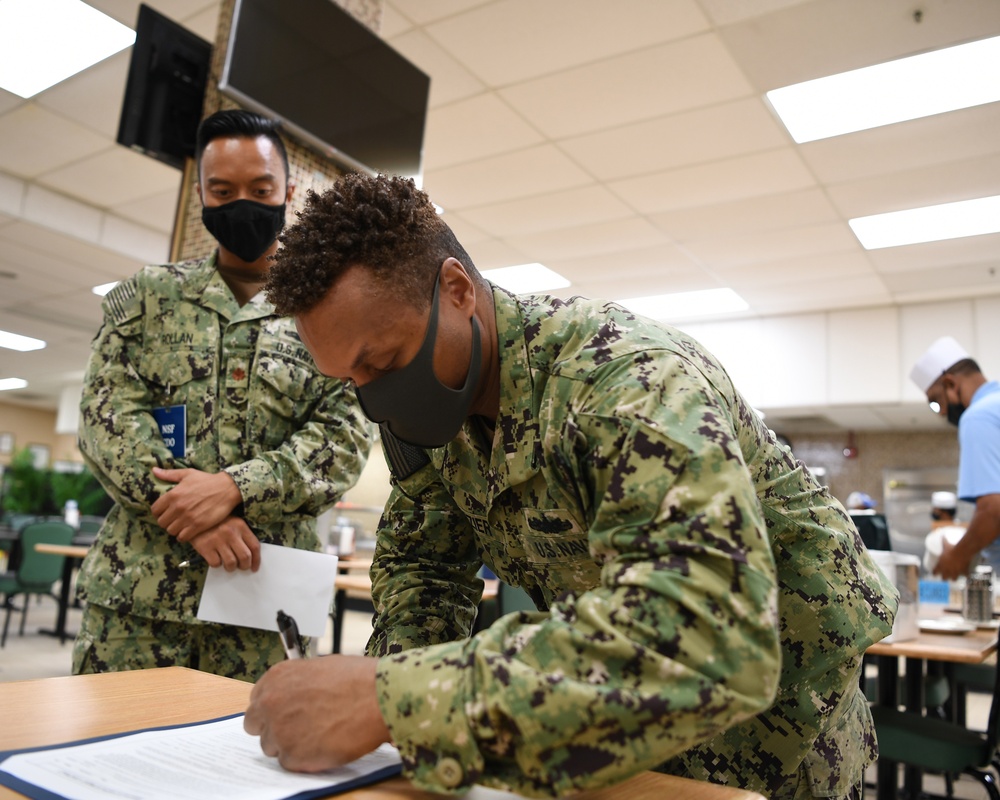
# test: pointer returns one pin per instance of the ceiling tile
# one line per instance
(638, 86)
(810, 40)
(706, 134)
(533, 171)
(493, 254)
(46, 274)
(567, 209)
(36, 140)
(451, 81)
(92, 97)
(933, 284)
(9, 101)
(68, 248)
(726, 12)
(659, 263)
(422, 12)
(806, 207)
(477, 127)
(756, 175)
(940, 183)
(965, 134)
(967, 250)
(775, 274)
(487, 38)
(113, 176)
(156, 211)
(774, 245)
(605, 237)
(834, 292)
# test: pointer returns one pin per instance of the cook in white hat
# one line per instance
(957, 390)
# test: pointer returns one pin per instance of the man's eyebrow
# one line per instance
(266, 177)
(361, 357)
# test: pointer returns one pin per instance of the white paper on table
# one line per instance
(298, 582)
(204, 761)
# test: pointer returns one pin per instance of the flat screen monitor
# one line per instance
(165, 89)
(331, 81)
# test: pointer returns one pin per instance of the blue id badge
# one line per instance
(172, 422)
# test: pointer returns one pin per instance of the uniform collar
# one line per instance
(207, 288)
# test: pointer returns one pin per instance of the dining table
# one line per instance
(51, 711)
(952, 643)
(74, 554)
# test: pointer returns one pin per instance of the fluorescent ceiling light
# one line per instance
(687, 304)
(14, 341)
(928, 224)
(909, 88)
(104, 288)
(12, 383)
(525, 278)
(43, 42)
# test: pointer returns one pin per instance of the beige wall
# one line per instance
(875, 453)
(36, 426)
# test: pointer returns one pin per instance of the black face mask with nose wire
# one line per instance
(415, 406)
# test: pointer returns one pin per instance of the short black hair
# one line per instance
(236, 122)
(382, 223)
(967, 366)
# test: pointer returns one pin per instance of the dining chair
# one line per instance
(512, 598)
(936, 745)
(37, 572)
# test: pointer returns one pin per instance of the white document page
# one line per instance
(210, 761)
(299, 582)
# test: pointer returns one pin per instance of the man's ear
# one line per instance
(457, 286)
(289, 192)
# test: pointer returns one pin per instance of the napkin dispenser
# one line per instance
(903, 570)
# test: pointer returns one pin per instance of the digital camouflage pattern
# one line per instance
(293, 440)
(708, 601)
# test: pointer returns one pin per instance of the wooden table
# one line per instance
(970, 648)
(73, 553)
(55, 710)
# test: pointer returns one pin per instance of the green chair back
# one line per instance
(42, 569)
(513, 598)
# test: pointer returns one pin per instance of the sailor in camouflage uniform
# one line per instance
(704, 602)
(206, 420)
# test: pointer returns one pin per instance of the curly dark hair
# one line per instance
(383, 223)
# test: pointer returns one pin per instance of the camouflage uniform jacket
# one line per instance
(708, 602)
(293, 440)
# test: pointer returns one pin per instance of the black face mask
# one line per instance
(245, 227)
(954, 412)
(415, 406)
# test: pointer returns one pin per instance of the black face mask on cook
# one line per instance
(244, 227)
(415, 406)
(954, 412)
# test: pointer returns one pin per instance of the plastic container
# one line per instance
(71, 513)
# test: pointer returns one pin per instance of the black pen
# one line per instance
(290, 638)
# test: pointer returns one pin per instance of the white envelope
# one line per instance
(298, 582)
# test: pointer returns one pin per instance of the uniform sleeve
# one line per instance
(119, 439)
(979, 452)
(677, 642)
(313, 468)
(424, 571)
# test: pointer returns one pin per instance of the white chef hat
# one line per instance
(944, 500)
(941, 355)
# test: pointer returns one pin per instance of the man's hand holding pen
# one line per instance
(318, 713)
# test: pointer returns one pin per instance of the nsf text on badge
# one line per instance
(172, 422)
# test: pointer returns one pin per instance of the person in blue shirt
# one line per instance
(957, 390)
